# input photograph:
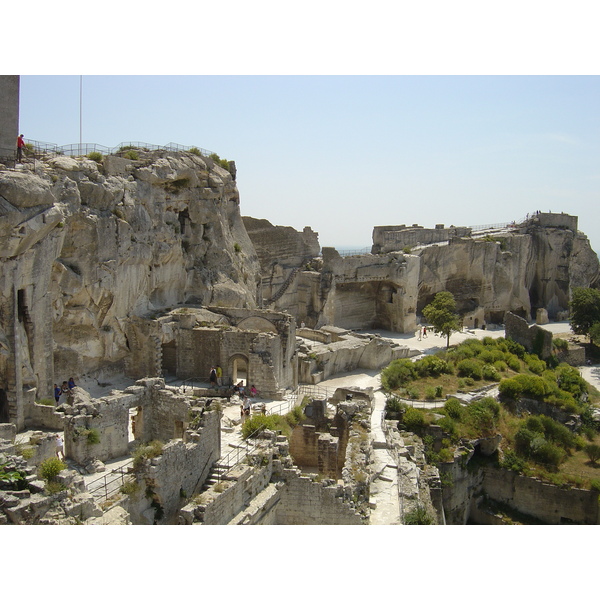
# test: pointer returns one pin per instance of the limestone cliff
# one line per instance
(84, 246)
(534, 266)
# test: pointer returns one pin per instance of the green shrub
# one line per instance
(511, 388)
(515, 348)
(131, 155)
(439, 391)
(448, 425)
(469, 368)
(547, 453)
(393, 405)
(195, 151)
(429, 393)
(454, 409)
(512, 461)
(560, 344)
(489, 373)
(432, 366)
(418, 516)
(513, 363)
(445, 455)
(500, 366)
(535, 364)
(569, 379)
(413, 393)
(147, 451)
(50, 468)
(482, 415)
(257, 423)
(413, 419)
(593, 452)
(595, 485)
(95, 156)
(398, 373)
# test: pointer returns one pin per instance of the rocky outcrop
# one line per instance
(520, 270)
(86, 246)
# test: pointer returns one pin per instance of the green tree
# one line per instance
(441, 313)
(594, 334)
(585, 309)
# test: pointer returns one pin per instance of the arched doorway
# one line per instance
(238, 367)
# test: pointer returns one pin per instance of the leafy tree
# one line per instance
(441, 313)
(594, 334)
(585, 309)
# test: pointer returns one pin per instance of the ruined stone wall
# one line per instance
(243, 483)
(179, 472)
(318, 450)
(110, 419)
(305, 502)
(9, 114)
(544, 501)
(559, 220)
(397, 237)
(534, 339)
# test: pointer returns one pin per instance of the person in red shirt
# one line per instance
(20, 146)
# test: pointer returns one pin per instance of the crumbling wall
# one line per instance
(391, 238)
(534, 338)
(546, 502)
(166, 481)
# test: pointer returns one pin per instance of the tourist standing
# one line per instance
(212, 378)
(57, 394)
(59, 448)
(20, 146)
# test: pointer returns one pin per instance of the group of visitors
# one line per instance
(65, 390)
(215, 377)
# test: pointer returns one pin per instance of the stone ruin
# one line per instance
(146, 267)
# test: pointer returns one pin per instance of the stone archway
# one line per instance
(239, 367)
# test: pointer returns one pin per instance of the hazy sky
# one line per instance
(345, 153)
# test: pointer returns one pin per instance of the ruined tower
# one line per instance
(9, 114)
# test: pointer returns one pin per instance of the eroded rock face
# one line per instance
(85, 246)
(533, 268)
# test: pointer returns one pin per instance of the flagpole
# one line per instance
(80, 110)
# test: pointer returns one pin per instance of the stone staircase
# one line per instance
(281, 291)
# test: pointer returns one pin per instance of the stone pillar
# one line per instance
(9, 114)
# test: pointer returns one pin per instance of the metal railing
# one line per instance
(197, 382)
(110, 483)
(355, 252)
(42, 148)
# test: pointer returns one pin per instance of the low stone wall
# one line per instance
(306, 502)
(546, 502)
(574, 356)
(41, 415)
(542, 501)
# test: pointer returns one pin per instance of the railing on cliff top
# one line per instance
(85, 149)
